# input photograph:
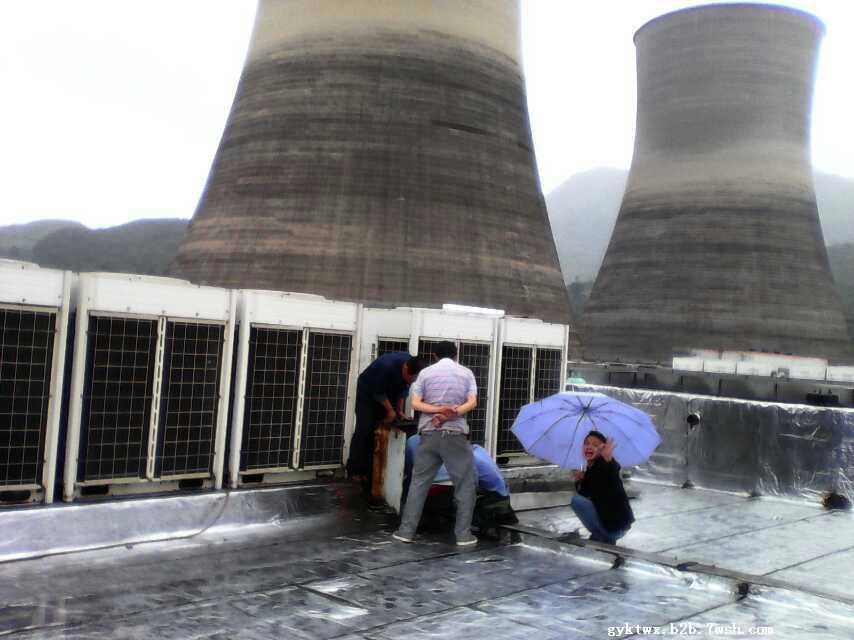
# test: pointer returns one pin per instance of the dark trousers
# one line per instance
(369, 413)
(452, 449)
(586, 512)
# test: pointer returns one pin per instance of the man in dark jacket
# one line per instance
(601, 503)
(380, 396)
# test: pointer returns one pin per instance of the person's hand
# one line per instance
(402, 417)
(438, 420)
(579, 476)
(607, 449)
(448, 412)
(389, 417)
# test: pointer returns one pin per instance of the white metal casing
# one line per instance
(377, 324)
(533, 333)
(840, 374)
(527, 331)
(299, 311)
(719, 366)
(26, 285)
(150, 297)
(681, 363)
(453, 325)
(469, 326)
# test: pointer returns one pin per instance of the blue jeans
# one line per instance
(586, 512)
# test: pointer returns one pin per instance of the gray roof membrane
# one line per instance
(309, 563)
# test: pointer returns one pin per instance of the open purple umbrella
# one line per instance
(554, 428)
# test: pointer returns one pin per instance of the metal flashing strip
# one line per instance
(621, 553)
(32, 533)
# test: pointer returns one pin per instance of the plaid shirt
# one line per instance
(444, 383)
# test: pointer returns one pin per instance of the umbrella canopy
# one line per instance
(554, 428)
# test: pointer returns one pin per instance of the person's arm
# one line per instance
(386, 393)
(416, 392)
(468, 405)
(610, 483)
(390, 414)
(607, 450)
(581, 483)
(425, 407)
(471, 397)
(377, 386)
(401, 409)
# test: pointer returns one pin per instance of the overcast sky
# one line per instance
(112, 109)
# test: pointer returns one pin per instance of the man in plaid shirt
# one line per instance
(444, 393)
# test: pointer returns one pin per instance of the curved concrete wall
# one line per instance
(380, 151)
(718, 243)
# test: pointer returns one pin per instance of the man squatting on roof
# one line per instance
(444, 393)
(601, 502)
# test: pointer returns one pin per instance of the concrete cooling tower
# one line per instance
(718, 243)
(380, 151)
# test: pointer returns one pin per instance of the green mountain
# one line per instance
(17, 240)
(143, 246)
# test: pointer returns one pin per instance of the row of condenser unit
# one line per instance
(117, 384)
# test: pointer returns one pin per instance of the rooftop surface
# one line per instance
(306, 574)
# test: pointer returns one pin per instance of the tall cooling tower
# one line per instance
(718, 243)
(380, 151)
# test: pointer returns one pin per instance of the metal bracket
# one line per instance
(157, 386)
(303, 366)
(533, 372)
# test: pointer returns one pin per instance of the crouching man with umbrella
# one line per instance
(601, 502)
(597, 434)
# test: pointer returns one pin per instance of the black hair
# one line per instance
(445, 349)
(415, 364)
(598, 435)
